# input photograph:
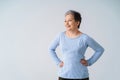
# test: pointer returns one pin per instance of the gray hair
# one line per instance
(77, 15)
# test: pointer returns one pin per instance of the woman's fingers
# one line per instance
(84, 62)
(61, 64)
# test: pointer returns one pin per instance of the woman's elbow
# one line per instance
(50, 50)
(102, 50)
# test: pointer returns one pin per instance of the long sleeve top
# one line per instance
(72, 51)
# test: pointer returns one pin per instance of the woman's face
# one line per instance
(70, 23)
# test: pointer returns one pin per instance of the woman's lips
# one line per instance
(67, 26)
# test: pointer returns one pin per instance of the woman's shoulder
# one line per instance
(86, 36)
(59, 34)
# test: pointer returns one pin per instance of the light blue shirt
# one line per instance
(72, 51)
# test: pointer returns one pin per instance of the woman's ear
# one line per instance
(78, 23)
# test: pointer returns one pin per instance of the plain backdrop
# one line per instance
(28, 26)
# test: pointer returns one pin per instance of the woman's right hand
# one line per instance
(61, 64)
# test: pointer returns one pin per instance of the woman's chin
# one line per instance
(68, 29)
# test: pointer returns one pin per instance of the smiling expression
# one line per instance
(70, 23)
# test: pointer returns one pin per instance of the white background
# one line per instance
(28, 26)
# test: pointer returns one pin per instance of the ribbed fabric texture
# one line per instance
(72, 51)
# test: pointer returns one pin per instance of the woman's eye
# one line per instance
(67, 21)
(70, 20)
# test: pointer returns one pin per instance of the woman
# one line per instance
(73, 44)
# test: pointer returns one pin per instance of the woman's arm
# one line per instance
(97, 48)
(52, 49)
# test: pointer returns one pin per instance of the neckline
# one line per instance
(74, 37)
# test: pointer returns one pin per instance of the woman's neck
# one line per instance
(73, 34)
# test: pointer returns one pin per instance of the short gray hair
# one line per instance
(77, 15)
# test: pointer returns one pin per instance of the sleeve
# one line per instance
(97, 48)
(52, 48)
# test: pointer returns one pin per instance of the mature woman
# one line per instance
(73, 44)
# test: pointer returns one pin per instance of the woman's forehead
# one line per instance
(69, 17)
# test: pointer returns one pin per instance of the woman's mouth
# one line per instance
(68, 26)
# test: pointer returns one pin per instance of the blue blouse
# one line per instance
(72, 51)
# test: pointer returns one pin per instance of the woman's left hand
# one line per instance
(84, 62)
